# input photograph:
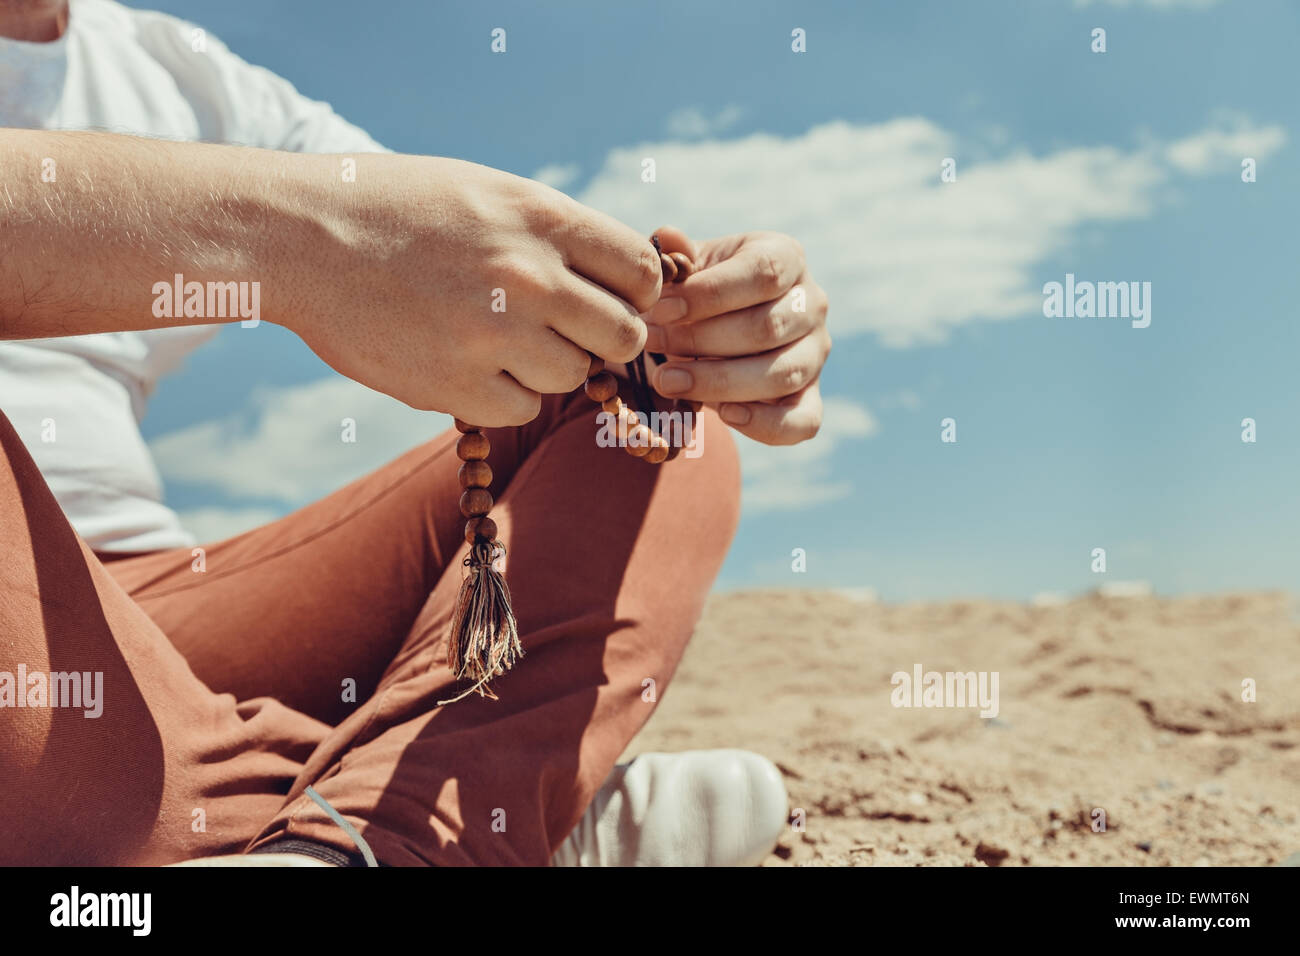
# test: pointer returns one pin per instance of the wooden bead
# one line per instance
(475, 502)
(674, 451)
(472, 446)
(475, 474)
(684, 266)
(480, 528)
(596, 367)
(465, 428)
(658, 452)
(626, 420)
(669, 267)
(612, 405)
(639, 440)
(602, 387)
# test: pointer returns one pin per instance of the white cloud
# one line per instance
(1222, 149)
(287, 445)
(901, 254)
(906, 399)
(799, 476)
(690, 123)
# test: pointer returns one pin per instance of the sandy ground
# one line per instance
(1131, 705)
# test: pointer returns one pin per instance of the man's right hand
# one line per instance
(391, 278)
(456, 287)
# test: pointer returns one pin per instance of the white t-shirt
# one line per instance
(77, 402)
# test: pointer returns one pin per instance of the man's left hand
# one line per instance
(752, 311)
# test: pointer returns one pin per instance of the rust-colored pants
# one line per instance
(311, 651)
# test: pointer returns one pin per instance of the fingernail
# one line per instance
(656, 339)
(734, 414)
(667, 310)
(674, 381)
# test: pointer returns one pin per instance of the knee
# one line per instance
(711, 463)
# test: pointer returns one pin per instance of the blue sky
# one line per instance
(1072, 433)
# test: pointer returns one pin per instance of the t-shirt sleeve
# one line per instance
(237, 102)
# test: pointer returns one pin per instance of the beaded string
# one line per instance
(484, 641)
(602, 388)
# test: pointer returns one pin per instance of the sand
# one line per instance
(1130, 705)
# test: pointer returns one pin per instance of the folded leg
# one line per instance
(609, 562)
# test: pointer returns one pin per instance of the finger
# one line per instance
(612, 255)
(548, 363)
(498, 401)
(751, 378)
(759, 328)
(591, 318)
(760, 271)
(672, 239)
(794, 419)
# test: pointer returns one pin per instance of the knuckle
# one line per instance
(712, 381)
(682, 341)
(707, 295)
(628, 337)
(714, 376)
(527, 276)
(648, 271)
(791, 376)
(768, 275)
(491, 336)
(528, 407)
(813, 422)
(645, 278)
(544, 212)
(575, 373)
(773, 329)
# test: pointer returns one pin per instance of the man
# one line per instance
(221, 689)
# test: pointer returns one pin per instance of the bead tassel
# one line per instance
(484, 636)
(484, 641)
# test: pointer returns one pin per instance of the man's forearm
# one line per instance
(93, 224)
(395, 270)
